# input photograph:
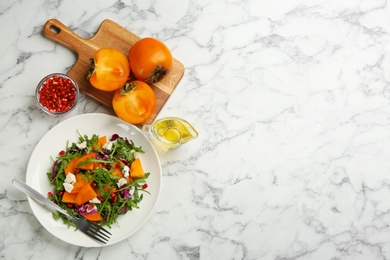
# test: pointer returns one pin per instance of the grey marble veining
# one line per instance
(292, 103)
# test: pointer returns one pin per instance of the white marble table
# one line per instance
(292, 103)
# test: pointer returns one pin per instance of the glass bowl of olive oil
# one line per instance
(171, 132)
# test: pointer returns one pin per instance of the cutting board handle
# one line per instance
(58, 32)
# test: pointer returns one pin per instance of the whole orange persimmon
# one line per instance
(110, 69)
(134, 102)
(150, 60)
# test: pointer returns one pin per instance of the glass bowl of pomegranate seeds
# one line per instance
(57, 94)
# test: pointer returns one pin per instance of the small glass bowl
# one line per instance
(57, 94)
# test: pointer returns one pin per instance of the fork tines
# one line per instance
(98, 233)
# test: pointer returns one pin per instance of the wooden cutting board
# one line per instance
(109, 35)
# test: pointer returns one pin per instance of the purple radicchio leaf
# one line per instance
(54, 170)
(128, 193)
(103, 157)
(114, 137)
(84, 209)
(123, 160)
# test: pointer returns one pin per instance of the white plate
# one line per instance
(55, 141)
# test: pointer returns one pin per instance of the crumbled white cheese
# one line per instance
(126, 171)
(108, 146)
(95, 200)
(68, 187)
(121, 182)
(136, 155)
(69, 182)
(82, 145)
(70, 178)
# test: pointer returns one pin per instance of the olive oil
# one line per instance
(171, 132)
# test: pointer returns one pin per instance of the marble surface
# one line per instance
(292, 103)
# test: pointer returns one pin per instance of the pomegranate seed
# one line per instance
(62, 152)
(144, 186)
(50, 194)
(57, 94)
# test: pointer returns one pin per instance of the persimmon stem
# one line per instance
(158, 74)
(91, 67)
(127, 88)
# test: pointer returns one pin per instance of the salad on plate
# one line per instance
(98, 178)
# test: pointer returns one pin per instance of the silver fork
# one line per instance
(89, 228)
